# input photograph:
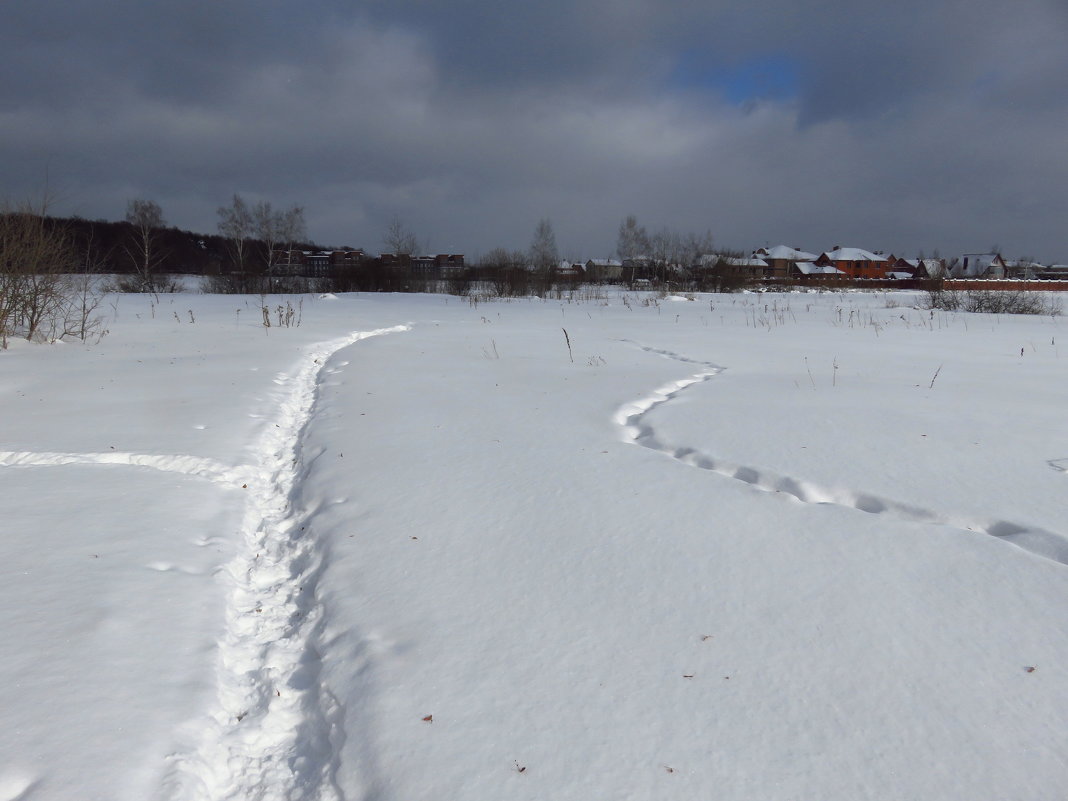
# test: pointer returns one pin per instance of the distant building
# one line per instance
(604, 269)
(752, 268)
(316, 263)
(441, 265)
(809, 269)
(980, 265)
(569, 270)
(782, 260)
(1055, 272)
(854, 262)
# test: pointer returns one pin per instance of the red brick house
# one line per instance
(854, 262)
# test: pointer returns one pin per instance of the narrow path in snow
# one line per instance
(168, 463)
(637, 429)
(274, 732)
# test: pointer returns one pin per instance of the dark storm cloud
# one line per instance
(893, 126)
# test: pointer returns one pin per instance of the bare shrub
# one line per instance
(1011, 302)
(41, 297)
(156, 284)
(944, 300)
(994, 301)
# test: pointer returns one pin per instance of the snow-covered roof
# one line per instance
(853, 254)
(898, 275)
(808, 268)
(788, 253)
(711, 259)
(605, 263)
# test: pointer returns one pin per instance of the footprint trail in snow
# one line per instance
(632, 417)
(274, 731)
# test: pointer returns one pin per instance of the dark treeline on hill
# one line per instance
(109, 247)
(118, 248)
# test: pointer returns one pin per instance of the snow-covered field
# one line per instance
(807, 546)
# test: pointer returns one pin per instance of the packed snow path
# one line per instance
(274, 731)
(637, 429)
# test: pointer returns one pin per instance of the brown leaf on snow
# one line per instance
(428, 719)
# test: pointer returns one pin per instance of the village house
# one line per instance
(569, 270)
(782, 260)
(925, 268)
(1054, 272)
(811, 270)
(752, 268)
(854, 262)
(604, 269)
(980, 265)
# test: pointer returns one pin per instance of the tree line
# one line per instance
(45, 261)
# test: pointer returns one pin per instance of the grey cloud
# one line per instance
(914, 126)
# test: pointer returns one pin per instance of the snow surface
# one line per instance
(737, 547)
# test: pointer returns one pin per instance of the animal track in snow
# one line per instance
(636, 428)
(274, 731)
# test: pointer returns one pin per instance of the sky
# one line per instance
(908, 128)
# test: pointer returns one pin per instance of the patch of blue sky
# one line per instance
(762, 78)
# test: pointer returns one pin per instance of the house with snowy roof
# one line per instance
(568, 270)
(604, 269)
(1023, 268)
(1055, 272)
(914, 268)
(980, 265)
(751, 266)
(809, 269)
(782, 260)
(854, 262)
(930, 268)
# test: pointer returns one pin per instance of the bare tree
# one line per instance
(633, 241)
(146, 217)
(236, 224)
(543, 253)
(399, 239)
(632, 246)
(507, 271)
(275, 228)
(38, 297)
(85, 297)
(694, 246)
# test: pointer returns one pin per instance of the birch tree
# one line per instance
(236, 224)
(146, 217)
(274, 228)
(543, 253)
